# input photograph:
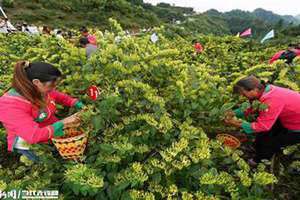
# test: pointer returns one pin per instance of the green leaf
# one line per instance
(126, 196)
(107, 148)
(214, 112)
(98, 122)
(226, 107)
(76, 188)
(156, 177)
(122, 186)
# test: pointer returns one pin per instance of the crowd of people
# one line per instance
(87, 41)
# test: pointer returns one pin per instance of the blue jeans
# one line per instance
(29, 154)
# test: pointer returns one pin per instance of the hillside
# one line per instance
(274, 18)
(135, 14)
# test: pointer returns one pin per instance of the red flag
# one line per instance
(246, 32)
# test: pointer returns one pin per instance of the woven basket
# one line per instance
(229, 140)
(72, 145)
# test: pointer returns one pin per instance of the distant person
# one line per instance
(33, 30)
(19, 26)
(69, 34)
(91, 38)
(89, 48)
(25, 28)
(3, 28)
(10, 27)
(59, 34)
(197, 46)
(46, 30)
(288, 55)
(6, 26)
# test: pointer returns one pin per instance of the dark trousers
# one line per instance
(271, 142)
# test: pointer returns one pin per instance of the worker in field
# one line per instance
(277, 126)
(6, 26)
(292, 52)
(25, 28)
(46, 30)
(89, 48)
(198, 47)
(3, 26)
(59, 34)
(91, 38)
(27, 109)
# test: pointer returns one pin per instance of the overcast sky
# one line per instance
(283, 7)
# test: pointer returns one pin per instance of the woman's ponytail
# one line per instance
(24, 86)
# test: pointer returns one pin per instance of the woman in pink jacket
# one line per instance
(91, 38)
(289, 55)
(276, 127)
(27, 110)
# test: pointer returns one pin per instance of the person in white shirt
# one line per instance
(6, 26)
(33, 30)
(3, 28)
(59, 34)
(25, 28)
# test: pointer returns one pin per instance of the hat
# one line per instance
(43, 71)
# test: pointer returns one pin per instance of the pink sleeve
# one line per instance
(267, 118)
(297, 51)
(275, 57)
(21, 123)
(62, 98)
(272, 60)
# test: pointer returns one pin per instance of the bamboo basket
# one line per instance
(72, 145)
(229, 140)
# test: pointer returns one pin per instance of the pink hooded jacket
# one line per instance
(277, 55)
(283, 104)
(21, 119)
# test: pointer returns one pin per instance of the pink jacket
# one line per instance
(283, 104)
(198, 47)
(92, 39)
(277, 55)
(21, 119)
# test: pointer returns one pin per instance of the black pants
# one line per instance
(268, 143)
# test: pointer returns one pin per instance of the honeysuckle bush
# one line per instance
(153, 125)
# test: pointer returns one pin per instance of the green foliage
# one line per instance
(81, 179)
(8, 3)
(154, 123)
